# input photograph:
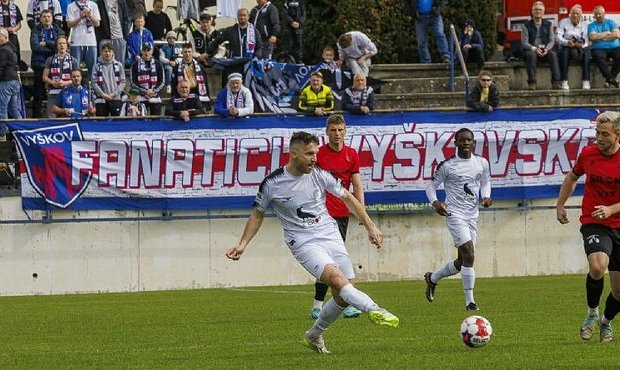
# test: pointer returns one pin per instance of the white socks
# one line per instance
(357, 299)
(447, 270)
(468, 276)
(317, 304)
(330, 313)
(593, 311)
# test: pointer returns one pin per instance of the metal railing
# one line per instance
(454, 45)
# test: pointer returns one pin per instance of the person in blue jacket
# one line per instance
(136, 39)
(74, 100)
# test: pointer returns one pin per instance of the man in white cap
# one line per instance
(235, 100)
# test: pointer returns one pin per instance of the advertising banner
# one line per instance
(216, 163)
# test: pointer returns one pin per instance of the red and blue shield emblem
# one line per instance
(47, 154)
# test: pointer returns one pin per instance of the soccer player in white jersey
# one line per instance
(465, 176)
(297, 194)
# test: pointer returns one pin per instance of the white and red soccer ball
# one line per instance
(476, 331)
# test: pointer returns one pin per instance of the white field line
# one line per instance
(309, 291)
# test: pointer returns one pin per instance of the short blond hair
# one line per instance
(336, 119)
(609, 117)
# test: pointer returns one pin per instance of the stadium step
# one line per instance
(435, 84)
(509, 99)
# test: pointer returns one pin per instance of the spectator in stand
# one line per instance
(36, 7)
(188, 68)
(328, 61)
(82, 17)
(57, 72)
(183, 104)
(538, 40)
(133, 107)
(108, 83)
(168, 55)
(427, 15)
(604, 35)
(112, 28)
(134, 7)
(203, 36)
(9, 81)
(157, 21)
(73, 101)
(355, 49)
(359, 98)
(573, 43)
(147, 75)
(472, 45)
(243, 42)
(316, 99)
(295, 11)
(43, 45)
(234, 100)
(64, 4)
(266, 18)
(484, 96)
(136, 40)
(11, 20)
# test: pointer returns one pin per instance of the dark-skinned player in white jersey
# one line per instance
(465, 177)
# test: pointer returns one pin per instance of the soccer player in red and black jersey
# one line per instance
(600, 220)
(342, 162)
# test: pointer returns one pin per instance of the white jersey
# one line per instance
(464, 179)
(299, 204)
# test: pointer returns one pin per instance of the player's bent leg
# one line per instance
(361, 300)
(597, 264)
(350, 295)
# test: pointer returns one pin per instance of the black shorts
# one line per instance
(601, 238)
(343, 225)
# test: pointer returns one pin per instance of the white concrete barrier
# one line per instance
(134, 255)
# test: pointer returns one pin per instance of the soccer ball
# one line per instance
(476, 331)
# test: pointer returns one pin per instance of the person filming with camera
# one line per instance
(572, 37)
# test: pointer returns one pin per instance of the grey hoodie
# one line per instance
(105, 81)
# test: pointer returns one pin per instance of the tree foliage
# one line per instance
(389, 24)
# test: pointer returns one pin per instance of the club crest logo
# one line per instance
(47, 154)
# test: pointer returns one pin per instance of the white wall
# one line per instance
(154, 255)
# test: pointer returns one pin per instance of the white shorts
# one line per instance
(462, 230)
(315, 254)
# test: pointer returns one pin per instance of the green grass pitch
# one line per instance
(535, 321)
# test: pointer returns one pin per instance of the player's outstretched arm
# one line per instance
(251, 228)
(568, 187)
(374, 234)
